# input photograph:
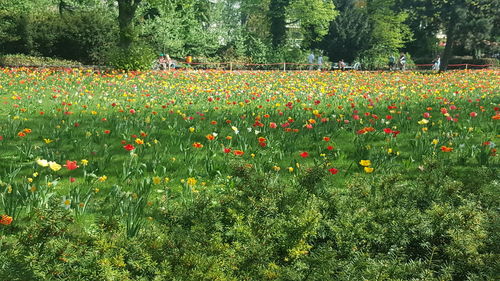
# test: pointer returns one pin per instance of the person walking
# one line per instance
(310, 60)
(402, 62)
(437, 63)
(320, 62)
(392, 62)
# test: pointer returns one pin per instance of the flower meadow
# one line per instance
(253, 175)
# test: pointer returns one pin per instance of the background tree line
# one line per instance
(133, 32)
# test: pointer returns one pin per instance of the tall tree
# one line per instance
(388, 29)
(310, 17)
(126, 13)
(349, 33)
(277, 18)
(313, 18)
(461, 20)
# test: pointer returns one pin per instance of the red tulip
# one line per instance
(129, 147)
(333, 171)
(71, 165)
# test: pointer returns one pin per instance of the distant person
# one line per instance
(392, 62)
(162, 62)
(436, 63)
(342, 65)
(320, 62)
(402, 62)
(310, 60)
(169, 61)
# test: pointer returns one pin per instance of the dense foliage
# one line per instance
(248, 176)
(35, 61)
(438, 224)
(258, 31)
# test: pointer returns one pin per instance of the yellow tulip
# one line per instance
(365, 163)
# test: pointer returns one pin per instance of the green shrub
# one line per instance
(82, 35)
(86, 36)
(136, 57)
(25, 60)
(428, 227)
(470, 60)
(434, 224)
(378, 58)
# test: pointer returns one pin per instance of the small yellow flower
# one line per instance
(30, 180)
(276, 168)
(156, 180)
(365, 163)
(290, 169)
(423, 121)
(389, 150)
(368, 170)
(139, 141)
(191, 129)
(102, 178)
(47, 141)
(435, 141)
(166, 180)
(84, 162)
(191, 181)
(35, 174)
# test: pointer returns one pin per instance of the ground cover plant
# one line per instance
(216, 175)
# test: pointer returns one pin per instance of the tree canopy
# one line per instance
(249, 30)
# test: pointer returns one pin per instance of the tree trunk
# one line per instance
(448, 49)
(126, 13)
